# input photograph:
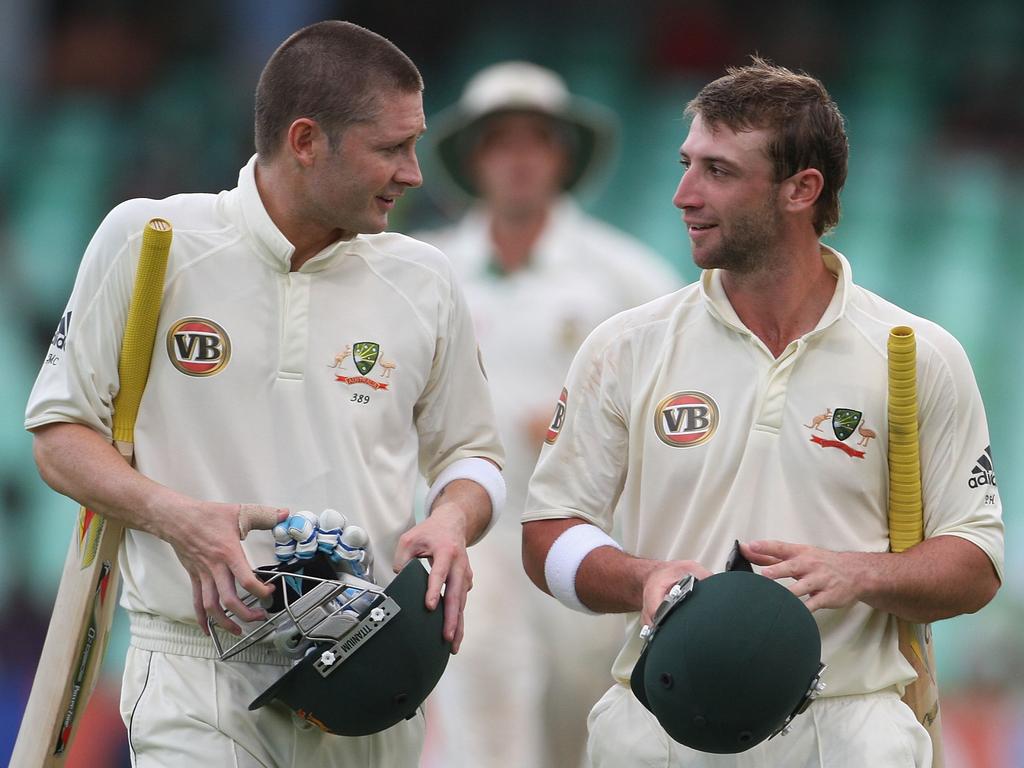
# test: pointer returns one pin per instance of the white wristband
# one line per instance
(480, 471)
(564, 558)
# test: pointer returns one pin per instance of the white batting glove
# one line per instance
(331, 523)
(352, 551)
(302, 527)
(284, 544)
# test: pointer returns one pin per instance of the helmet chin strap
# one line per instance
(681, 590)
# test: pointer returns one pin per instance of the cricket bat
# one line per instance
(906, 524)
(84, 608)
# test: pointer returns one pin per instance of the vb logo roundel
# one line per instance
(556, 421)
(686, 419)
(198, 347)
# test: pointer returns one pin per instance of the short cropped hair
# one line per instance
(333, 72)
(806, 125)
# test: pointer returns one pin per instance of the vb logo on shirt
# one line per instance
(686, 419)
(558, 419)
(198, 347)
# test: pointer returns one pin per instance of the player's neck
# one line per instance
(282, 202)
(782, 303)
(514, 237)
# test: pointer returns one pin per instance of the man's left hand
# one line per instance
(826, 578)
(442, 539)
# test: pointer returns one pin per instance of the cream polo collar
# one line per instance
(718, 304)
(473, 231)
(273, 246)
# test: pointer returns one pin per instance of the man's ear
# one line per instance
(303, 141)
(802, 190)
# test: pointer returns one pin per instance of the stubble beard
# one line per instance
(750, 244)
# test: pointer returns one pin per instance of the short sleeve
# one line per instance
(454, 415)
(78, 379)
(582, 466)
(958, 477)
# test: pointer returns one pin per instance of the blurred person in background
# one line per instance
(539, 274)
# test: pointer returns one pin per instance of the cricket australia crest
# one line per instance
(844, 422)
(365, 356)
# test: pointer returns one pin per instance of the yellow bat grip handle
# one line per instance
(906, 518)
(140, 329)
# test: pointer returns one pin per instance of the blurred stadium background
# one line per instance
(102, 101)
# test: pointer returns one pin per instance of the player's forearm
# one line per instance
(467, 504)
(607, 581)
(939, 578)
(611, 581)
(78, 462)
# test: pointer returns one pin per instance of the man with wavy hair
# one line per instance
(685, 422)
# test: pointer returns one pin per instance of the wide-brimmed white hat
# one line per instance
(520, 86)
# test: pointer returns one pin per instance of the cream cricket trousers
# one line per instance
(189, 712)
(874, 730)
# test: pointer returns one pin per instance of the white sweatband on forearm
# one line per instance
(480, 471)
(564, 559)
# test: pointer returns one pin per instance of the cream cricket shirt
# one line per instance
(531, 322)
(680, 424)
(318, 388)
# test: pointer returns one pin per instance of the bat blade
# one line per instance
(87, 596)
(74, 646)
(922, 695)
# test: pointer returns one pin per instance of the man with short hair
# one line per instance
(704, 417)
(336, 359)
(539, 274)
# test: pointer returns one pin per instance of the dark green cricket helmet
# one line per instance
(368, 667)
(730, 661)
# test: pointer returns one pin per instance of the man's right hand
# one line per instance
(206, 538)
(660, 581)
(80, 463)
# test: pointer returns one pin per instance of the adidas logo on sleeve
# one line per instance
(983, 473)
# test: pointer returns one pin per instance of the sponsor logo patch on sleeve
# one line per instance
(983, 472)
(558, 419)
(60, 339)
